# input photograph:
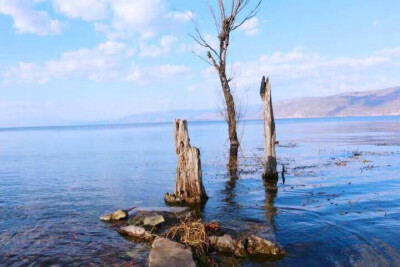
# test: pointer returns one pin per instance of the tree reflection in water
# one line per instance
(271, 191)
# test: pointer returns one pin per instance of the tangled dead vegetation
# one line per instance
(192, 233)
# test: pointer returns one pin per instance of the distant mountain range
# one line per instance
(371, 103)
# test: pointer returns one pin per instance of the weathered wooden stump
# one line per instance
(188, 184)
(269, 171)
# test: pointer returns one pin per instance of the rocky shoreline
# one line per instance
(180, 238)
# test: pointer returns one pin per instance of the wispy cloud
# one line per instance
(129, 18)
(164, 47)
(107, 61)
(250, 27)
(27, 19)
(302, 73)
(181, 15)
(155, 73)
(89, 10)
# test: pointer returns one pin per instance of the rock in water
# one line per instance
(188, 184)
(163, 218)
(150, 220)
(257, 246)
(227, 244)
(165, 252)
(153, 221)
(248, 246)
(137, 232)
(115, 216)
(175, 210)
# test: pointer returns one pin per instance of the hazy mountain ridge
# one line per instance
(370, 103)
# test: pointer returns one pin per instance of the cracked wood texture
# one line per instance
(188, 184)
(269, 171)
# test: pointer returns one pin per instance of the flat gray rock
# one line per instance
(115, 216)
(134, 211)
(165, 252)
(158, 220)
(136, 231)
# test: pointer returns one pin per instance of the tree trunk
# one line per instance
(188, 184)
(226, 23)
(269, 171)
(231, 119)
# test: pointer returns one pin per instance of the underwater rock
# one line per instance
(247, 246)
(159, 220)
(165, 252)
(176, 210)
(257, 246)
(147, 220)
(153, 220)
(227, 244)
(115, 216)
(137, 232)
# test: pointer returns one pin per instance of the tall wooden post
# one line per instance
(269, 171)
(188, 184)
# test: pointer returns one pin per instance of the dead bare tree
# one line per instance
(228, 20)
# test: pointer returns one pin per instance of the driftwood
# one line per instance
(269, 171)
(188, 184)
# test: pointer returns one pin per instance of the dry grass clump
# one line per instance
(192, 233)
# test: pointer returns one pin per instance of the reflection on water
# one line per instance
(271, 191)
(339, 204)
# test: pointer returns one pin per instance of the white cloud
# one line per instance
(134, 74)
(117, 19)
(89, 10)
(142, 18)
(300, 73)
(136, 17)
(376, 22)
(310, 71)
(390, 52)
(156, 73)
(250, 27)
(165, 45)
(29, 20)
(181, 16)
(105, 62)
(111, 48)
(168, 71)
(95, 64)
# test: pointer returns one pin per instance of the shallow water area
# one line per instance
(339, 204)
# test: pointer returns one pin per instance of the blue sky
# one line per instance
(88, 60)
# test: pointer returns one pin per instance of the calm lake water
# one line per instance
(339, 205)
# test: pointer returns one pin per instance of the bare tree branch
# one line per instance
(213, 14)
(202, 58)
(200, 39)
(249, 16)
(212, 60)
(221, 8)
